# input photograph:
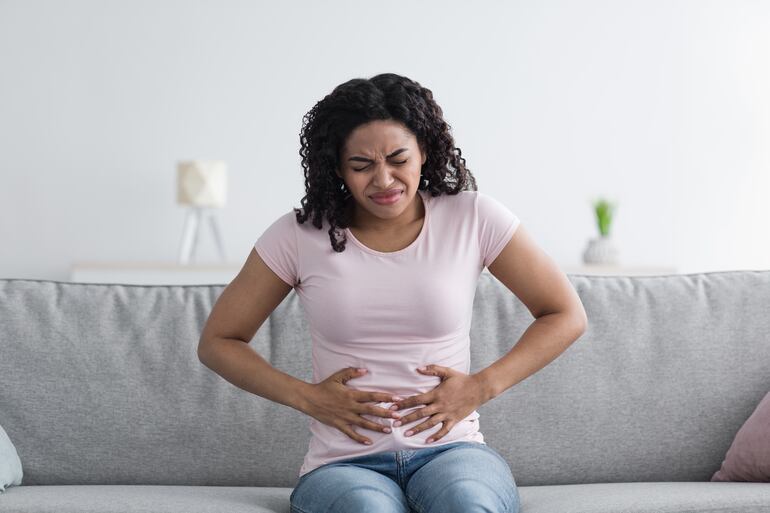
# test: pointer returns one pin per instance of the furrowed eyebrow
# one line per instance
(362, 159)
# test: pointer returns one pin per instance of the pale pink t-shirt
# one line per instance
(390, 312)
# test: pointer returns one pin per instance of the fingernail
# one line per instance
(394, 407)
(387, 430)
(429, 440)
(361, 370)
(408, 433)
(421, 368)
(397, 423)
(368, 442)
(397, 398)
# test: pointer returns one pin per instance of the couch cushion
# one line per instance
(144, 498)
(102, 384)
(682, 497)
(666, 373)
(685, 497)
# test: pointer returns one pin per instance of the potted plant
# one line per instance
(602, 250)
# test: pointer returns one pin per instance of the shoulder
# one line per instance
(485, 209)
(306, 230)
(487, 204)
(289, 219)
(284, 223)
(463, 201)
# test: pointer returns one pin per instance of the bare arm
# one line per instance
(236, 316)
(560, 319)
(239, 364)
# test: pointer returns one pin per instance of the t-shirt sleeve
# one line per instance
(277, 246)
(496, 224)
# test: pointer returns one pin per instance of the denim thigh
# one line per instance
(342, 487)
(461, 476)
(467, 478)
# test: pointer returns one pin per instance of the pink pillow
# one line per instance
(748, 458)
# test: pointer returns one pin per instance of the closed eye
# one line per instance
(399, 163)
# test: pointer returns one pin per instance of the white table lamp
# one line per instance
(201, 185)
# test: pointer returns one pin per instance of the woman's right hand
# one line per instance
(336, 405)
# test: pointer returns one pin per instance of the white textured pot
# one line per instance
(601, 250)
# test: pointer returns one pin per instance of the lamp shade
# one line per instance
(202, 183)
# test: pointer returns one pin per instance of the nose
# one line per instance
(383, 175)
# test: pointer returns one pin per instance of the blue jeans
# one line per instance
(456, 477)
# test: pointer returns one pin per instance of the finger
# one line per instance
(415, 415)
(349, 373)
(370, 409)
(348, 430)
(414, 400)
(358, 420)
(422, 427)
(375, 397)
(434, 370)
(368, 424)
(364, 407)
(380, 412)
(439, 370)
(446, 428)
(372, 426)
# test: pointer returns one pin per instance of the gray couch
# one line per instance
(110, 409)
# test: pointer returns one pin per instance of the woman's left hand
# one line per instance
(456, 397)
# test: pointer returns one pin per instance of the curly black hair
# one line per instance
(328, 124)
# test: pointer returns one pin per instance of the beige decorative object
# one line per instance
(601, 251)
(201, 185)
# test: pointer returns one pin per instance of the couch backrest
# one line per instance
(101, 383)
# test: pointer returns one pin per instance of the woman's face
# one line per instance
(379, 156)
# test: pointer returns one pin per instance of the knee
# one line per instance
(368, 499)
(472, 496)
(357, 499)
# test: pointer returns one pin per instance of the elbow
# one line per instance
(577, 319)
(203, 351)
(581, 321)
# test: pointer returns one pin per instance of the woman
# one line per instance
(386, 269)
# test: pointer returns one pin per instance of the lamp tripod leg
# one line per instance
(217, 236)
(189, 235)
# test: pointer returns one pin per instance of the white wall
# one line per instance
(664, 106)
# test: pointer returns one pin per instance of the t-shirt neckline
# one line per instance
(415, 242)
